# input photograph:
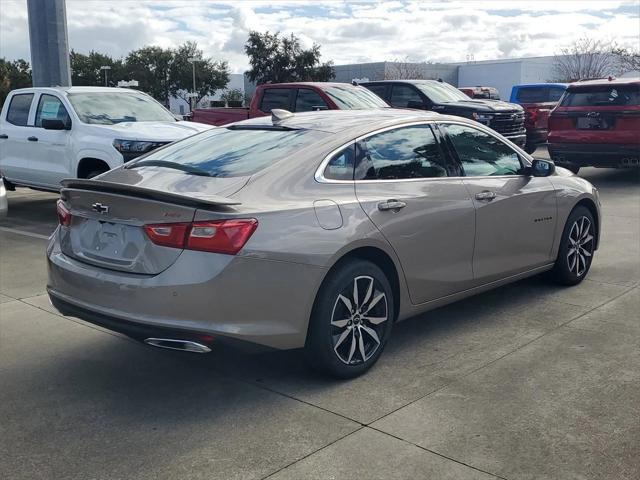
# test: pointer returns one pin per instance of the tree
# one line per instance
(85, 69)
(628, 60)
(231, 96)
(403, 69)
(151, 67)
(15, 74)
(282, 59)
(585, 58)
(210, 75)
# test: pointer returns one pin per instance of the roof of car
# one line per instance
(77, 89)
(413, 82)
(335, 121)
(305, 84)
(606, 81)
(538, 85)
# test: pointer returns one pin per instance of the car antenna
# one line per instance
(354, 82)
(278, 115)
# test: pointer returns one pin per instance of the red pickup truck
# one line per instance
(295, 97)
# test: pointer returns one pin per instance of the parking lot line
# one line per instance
(23, 232)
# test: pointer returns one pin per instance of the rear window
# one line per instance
(539, 94)
(233, 152)
(604, 95)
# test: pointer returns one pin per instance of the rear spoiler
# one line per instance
(194, 199)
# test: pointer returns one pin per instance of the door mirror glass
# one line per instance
(54, 124)
(542, 168)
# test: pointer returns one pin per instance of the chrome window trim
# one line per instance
(320, 178)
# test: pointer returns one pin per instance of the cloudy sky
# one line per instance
(348, 31)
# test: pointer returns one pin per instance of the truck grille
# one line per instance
(508, 123)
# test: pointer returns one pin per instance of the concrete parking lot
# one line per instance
(527, 381)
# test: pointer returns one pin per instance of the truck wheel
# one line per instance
(530, 148)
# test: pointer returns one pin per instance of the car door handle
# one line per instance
(4, 135)
(33, 139)
(391, 205)
(486, 195)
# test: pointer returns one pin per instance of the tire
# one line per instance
(572, 264)
(530, 148)
(342, 341)
(95, 173)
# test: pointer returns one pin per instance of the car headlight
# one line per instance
(135, 146)
(482, 117)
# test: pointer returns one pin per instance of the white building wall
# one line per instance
(501, 75)
(180, 107)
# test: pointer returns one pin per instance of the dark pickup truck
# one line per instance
(294, 97)
(505, 118)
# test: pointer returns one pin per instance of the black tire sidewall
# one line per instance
(319, 347)
(561, 270)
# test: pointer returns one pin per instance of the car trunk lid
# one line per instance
(107, 222)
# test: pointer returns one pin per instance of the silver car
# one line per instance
(315, 230)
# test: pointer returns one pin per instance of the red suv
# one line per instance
(597, 124)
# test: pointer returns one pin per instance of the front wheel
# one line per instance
(577, 247)
(351, 320)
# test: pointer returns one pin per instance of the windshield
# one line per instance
(109, 108)
(354, 98)
(440, 92)
(235, 151)
(600, 96)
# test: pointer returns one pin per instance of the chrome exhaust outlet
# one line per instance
(173, 344)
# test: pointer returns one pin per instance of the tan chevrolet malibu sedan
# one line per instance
(317, 230)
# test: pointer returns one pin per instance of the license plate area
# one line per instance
(594, 123)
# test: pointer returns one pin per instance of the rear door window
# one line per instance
(309, 101)
(404, 96)
(18, 112)
(276, 98)
(401, 153)
(603, 95)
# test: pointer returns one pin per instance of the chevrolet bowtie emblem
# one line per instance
(100, 208)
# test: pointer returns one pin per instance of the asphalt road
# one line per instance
(527, 381)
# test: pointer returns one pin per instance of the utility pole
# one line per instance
(49, 43)
(193, 61)
(106, 69)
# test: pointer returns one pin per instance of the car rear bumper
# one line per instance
(595, 155)
(258, 301)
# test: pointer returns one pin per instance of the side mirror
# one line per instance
(54, 124)
(541, 168)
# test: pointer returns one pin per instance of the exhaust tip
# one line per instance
(174, 344)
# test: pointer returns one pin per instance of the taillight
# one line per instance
(168, 234)
(217, 236)
(532, 114)
(64, 215)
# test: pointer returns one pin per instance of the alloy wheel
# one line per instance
(580, 247)
(358, 320)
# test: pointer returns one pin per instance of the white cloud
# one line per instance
(347, 32)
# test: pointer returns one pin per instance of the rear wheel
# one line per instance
(351, 321)
(576, 248)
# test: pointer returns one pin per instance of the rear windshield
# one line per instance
(225, 152)
(539, 94)
(599, 96)
(354, 98)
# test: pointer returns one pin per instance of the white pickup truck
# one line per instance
(48, 134)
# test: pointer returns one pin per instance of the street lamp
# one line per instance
(106, 69)
(192, 61)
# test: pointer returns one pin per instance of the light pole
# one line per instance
(192, 61)
(106, 69)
